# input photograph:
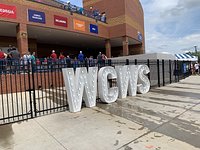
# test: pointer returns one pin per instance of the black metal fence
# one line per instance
(31, 89)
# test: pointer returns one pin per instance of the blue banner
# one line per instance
(94, 28)
(36, 16)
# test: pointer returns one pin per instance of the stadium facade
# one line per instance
(42, 25)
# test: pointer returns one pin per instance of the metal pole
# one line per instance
(135, 61)
(127, 61)
(195, 48)
(158, 71)
(170, 71)
(148, 64)
(163, 71)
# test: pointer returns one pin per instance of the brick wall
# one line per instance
(12, 83)
(124, 17)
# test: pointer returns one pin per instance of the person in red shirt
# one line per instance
(2, 54)
(53, 59)
(53, 55)
(2, 61)
(61, 57)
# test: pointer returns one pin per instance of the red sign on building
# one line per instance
(60, 21)
(7, 11)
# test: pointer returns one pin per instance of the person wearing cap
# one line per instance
(53, 55)
(81, 57)
(53, 59)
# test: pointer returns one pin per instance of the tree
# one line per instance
(195, 54)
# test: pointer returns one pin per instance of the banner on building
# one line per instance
(94, 29)
(7, 11)
(60, 21)
(79, 25)
(36, 16)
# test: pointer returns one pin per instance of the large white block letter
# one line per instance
(107, 94)
(127, 77)
(80, 86)
(143, 81)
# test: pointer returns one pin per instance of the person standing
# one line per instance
(15, 58)
(104, 57)
(196, 66)
(26, 62)
(9, 48)
(62, 59)
(53, 59)
(14, 54)
(53, 55)
(81, 57)
(68, 61)
(75, 63)
(99, 59)
(61, 56)
(33, 57)
(91, 62)
(33, 61)
(2, 61)
(27, 58)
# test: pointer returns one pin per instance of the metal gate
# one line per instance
(49, 92)
(28, 91)
(16, 97)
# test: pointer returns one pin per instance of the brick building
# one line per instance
(43, 25)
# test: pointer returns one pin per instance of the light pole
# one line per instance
(195, 48)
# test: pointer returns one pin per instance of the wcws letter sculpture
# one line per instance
(82, 85)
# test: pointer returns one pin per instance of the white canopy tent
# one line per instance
(186, 57)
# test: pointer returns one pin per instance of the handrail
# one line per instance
(74, 9)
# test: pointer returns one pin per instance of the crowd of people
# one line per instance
(13, 62)
(195, 68)
(80, 60)
(92, 12)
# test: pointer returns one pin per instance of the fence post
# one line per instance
(33, 87)
(163, 71)
(170, 72)
(30, 88)
(178, 70)
(158, 71)
(148, 64)
(127, 61)
(110, 80)
(135, 61)
(109, 62)
(175, 70)
(86, 64)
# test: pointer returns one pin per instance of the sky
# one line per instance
(171, 26)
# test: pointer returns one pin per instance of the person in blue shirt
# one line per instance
(81, 57)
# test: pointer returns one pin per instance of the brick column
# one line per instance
(108, 49)
(125, 46)
(22, 38)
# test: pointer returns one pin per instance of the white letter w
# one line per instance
(80, 86)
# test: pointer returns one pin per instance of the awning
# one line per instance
(186, 57)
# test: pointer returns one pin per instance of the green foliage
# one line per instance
(195, 54)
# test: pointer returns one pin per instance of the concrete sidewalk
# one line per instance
(167, 118)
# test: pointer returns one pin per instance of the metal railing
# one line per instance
(94, 14)
(34, 88)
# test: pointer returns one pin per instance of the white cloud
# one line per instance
(171, 25)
